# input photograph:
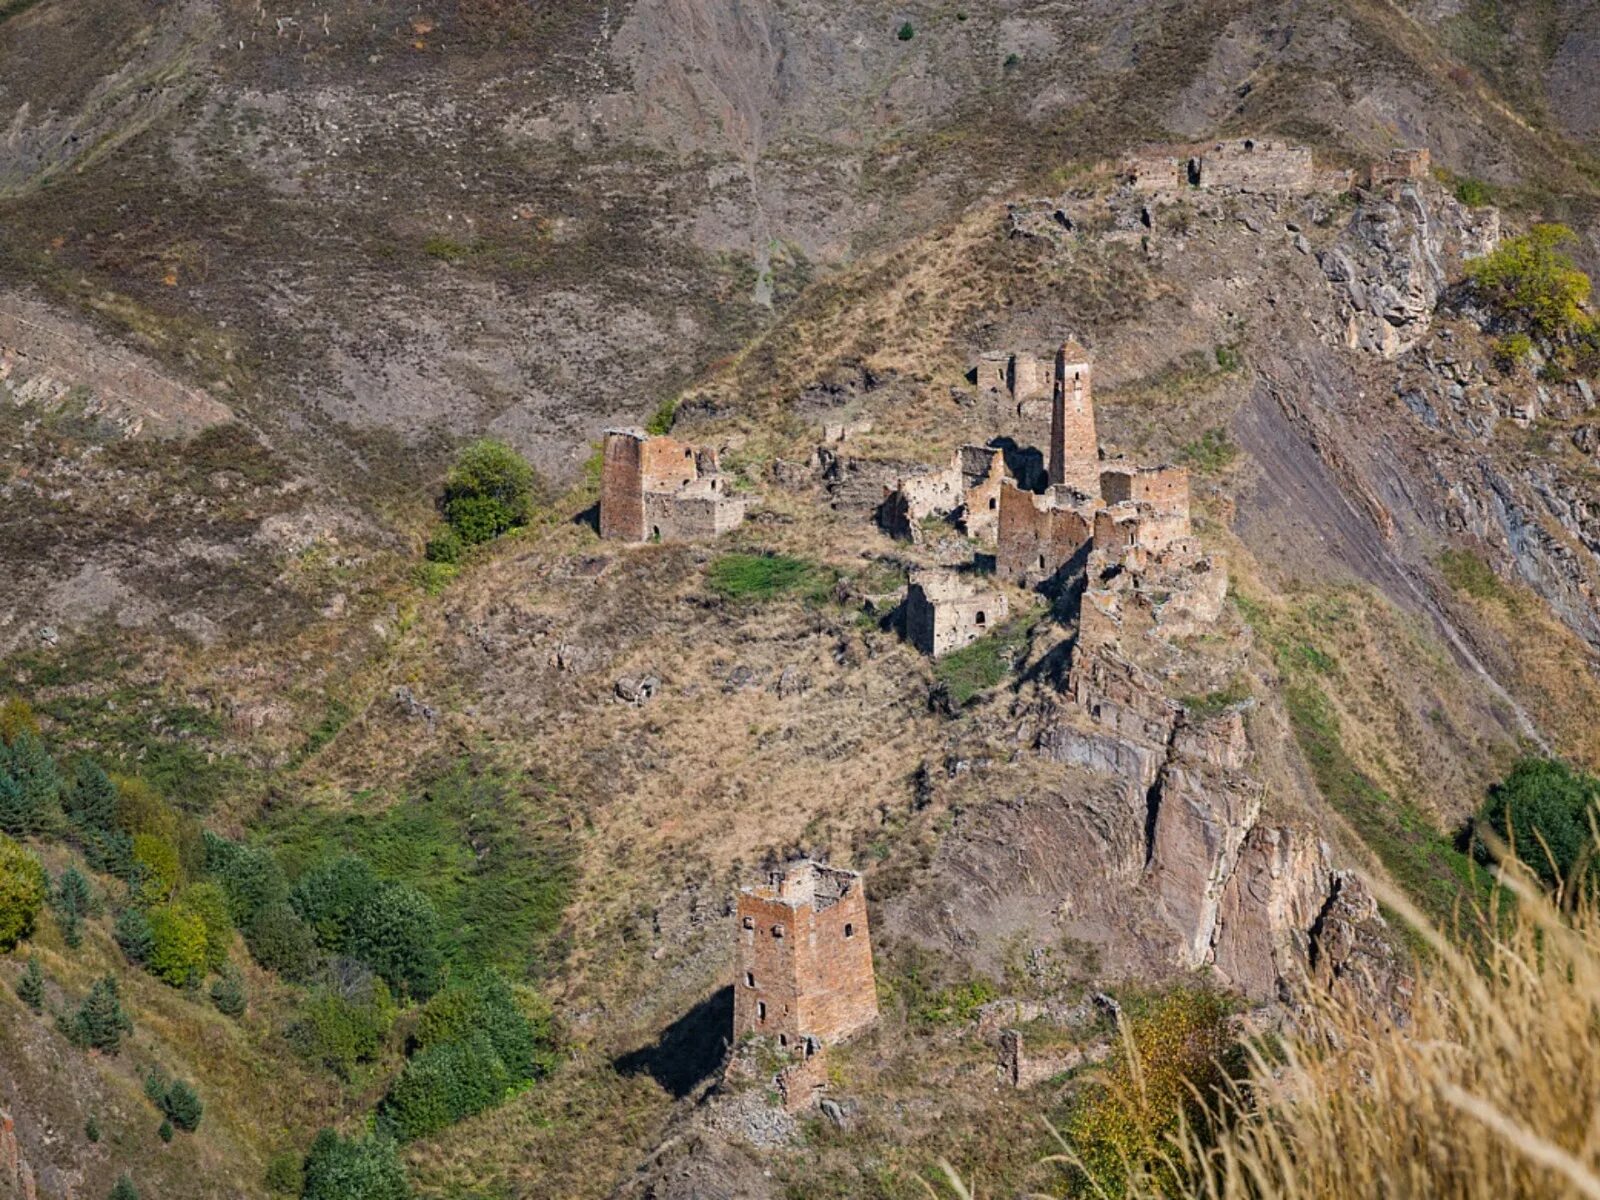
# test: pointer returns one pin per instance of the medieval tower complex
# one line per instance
(805, 958)
(1074, 448)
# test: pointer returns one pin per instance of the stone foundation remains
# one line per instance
(1253, 165)
(967, 490)
(663, 490)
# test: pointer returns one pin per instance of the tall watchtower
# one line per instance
(1074, 446)
(805, 957)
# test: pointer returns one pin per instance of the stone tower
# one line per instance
(805, 958)
(1074, 448)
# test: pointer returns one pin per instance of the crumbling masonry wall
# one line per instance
(661, 489)
(943, 612)
(1038, 534)
(1164, 488)
(1251, 165)
(805, 957)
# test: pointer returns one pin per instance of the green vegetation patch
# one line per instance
(1211, 453)
(984, 664)
(1469, 574)
(1546, 812)
(489, 849)
(760, 577)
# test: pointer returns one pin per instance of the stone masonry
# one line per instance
(1074, 445)
(661, 489)
(1253, 165)
(945, 611)
(1397, 166)
(968, 489)
(805, 958)
(1039, 534)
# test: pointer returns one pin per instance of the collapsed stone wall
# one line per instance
(967, 489)
(1252, 165)
(1037, 535)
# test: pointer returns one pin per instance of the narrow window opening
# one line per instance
(749, 979)
(783, 1039)
(777, 931)
(749, 922)
(992, 503)
(849, 930)
(982, 619)
(1041, 562)
(761, 1010)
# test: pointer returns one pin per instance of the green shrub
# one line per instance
(123, 1189)
(22, 892)
(91, 1128)
(341, 1026)
(177, 945)
(488, 492)
(1511, 350)
(661, 421)
(181, 1103)
(329, 895)
(487, 1005)
(444, 1084)
(1210, 453)
(281, 941)
(1228, 358)
(134, 935)
(227, 992)
(30, 787)
(1474, 193)
(984, 664)
(208, 901)
(156, 862)
(17, 718)
(395, 931)
(164, 1132)
(739, 576)
(445, 547)
(340, 1169)
(251, 876)
(71, 896)
(1543, 810)
(100, 1022)
(30, 987)
(1530, 281)
(1121, 1124)
(906, 32)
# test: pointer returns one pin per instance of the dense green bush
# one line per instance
(208, 901)
(444, 1084)
(286, 1174)
(251, 876)
(1474, 193)
(123, 1189)
(177, 945)
(329, 895)
(907, 32)
(155, 861)
(22, 892)
(30, 787)
(134, 935)
(281, 941)
(1543, 811)
(100, 1022)
(341, 1169)
(1531, 282)
(227, 992)
(488, 492)
(487, 1005)
(345, 1022)
(445, 547)
(395, 931)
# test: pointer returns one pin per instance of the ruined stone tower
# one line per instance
(805, 959)
(1074, 448)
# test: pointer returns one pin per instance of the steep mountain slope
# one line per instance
(313, 248)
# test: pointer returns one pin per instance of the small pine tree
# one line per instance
(227, 993)
(182, 1106)
(72, 901)
(91, 1128)
(906, 32)
(100, 1022)
(30, 787)
(91, 801)
(134, 935)
(165, 1131)
(123, 1189)
(30, 988)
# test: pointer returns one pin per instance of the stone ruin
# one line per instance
(1254, 165)
(659, 489)
(945, 611)
(968, 490)
(1022, 378)
(805, 969)
(1398, 166)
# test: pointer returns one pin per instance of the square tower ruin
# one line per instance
(945, 612)
(805, 957)
(1074, 446)
(661, 489)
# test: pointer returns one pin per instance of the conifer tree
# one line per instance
(30, 988)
